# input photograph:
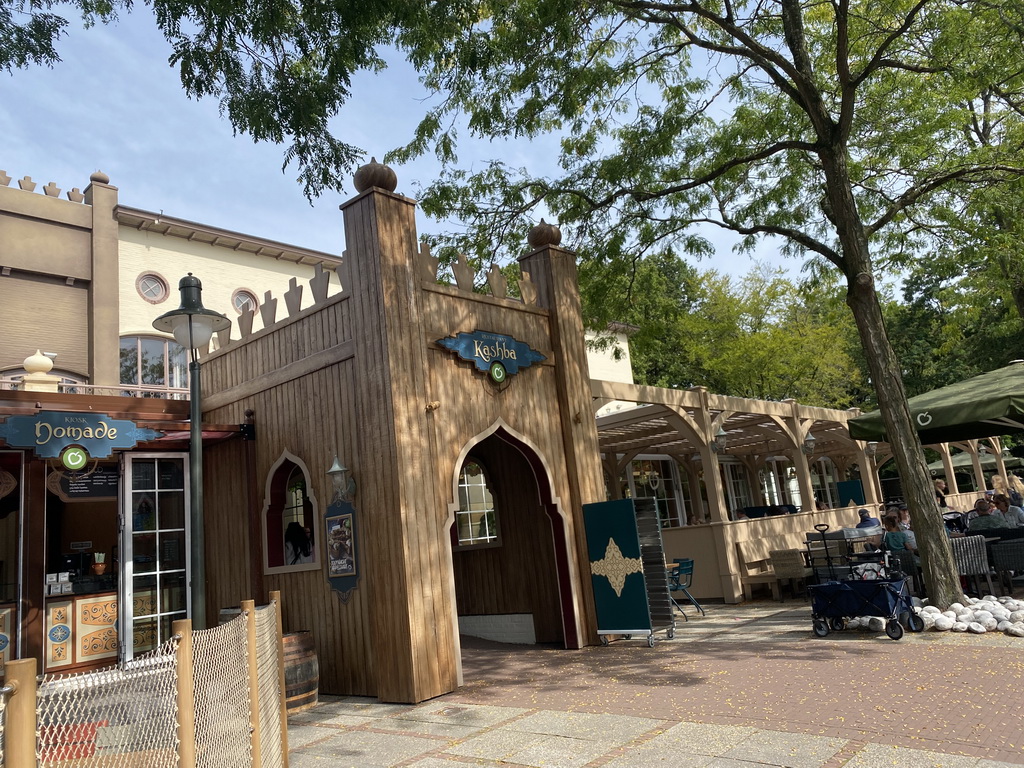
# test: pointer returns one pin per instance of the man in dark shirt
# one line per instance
(866, 520)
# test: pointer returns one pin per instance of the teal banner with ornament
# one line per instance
(616, 567)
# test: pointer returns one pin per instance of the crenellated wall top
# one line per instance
(75, 195)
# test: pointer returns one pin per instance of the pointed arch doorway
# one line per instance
(510, 545)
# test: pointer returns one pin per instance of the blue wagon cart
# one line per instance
(833, 602)
(883, 592)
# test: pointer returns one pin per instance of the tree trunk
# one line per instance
(937, 564)
(940, 572)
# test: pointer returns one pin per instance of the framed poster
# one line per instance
(341, 543)
(341, 546)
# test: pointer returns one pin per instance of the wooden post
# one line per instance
(275, 598)
(21, 714)
(249, 611)
(186, 694)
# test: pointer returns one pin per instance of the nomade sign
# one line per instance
(50, 432)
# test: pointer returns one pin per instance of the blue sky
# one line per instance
(115, 105)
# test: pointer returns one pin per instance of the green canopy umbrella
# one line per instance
(963, 461)
(988, 405)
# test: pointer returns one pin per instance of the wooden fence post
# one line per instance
(21, 714)
(249, 611)
(275, 598)
(186, 694)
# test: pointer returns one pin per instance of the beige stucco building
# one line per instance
(100, 271)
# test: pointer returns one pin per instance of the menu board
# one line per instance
(99, 485)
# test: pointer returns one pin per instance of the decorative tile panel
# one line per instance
(96, 628)
(59, 646)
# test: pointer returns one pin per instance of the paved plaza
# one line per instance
(745, 686)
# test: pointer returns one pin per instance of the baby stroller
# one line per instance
(875, 588)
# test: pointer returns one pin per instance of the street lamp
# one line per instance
(193, 325)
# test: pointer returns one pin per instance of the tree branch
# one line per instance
(892, 37)
(802, 238)
(927, 186)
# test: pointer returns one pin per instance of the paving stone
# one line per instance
(460, 714)
(300, 736)
(645, 756)
(350, 721)
(364, 748)
(359, 705)
(701, 738)
(496, 745)
(878, 755)
(582, 725)
(793, 750)
(561, 752)
(427, 728)
(437, 762)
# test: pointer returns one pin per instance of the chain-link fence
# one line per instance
(201, 700)
(111, 715)
(268, 675)
(222, 696)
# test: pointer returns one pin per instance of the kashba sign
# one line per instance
(50, 432)
(495, 354)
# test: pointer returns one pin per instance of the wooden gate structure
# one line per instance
(375, 377)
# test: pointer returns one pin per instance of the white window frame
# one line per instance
(126, 616)
(458, 544)
(676, 498)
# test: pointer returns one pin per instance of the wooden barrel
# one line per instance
(301, 672)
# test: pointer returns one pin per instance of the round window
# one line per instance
(244, 301)
(151, 287)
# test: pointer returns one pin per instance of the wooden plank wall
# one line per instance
(519, 575)
(360, 374)
(310, 416)
(528, 406)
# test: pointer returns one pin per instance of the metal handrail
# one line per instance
(124, 390)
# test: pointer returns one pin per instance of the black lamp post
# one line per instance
(193, 325)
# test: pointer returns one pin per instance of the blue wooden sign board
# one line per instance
(50, 432)
(495, 354)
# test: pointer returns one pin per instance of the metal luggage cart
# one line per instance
(835, 601)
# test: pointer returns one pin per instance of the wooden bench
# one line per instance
(756, 565)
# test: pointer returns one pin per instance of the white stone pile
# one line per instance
(989, 614)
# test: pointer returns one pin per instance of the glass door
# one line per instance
(155, 542)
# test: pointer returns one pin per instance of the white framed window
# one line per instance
(772, 483)
(823, 481)
(476, 519)
(656, 477)
(737, 485)
(152, 364)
